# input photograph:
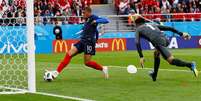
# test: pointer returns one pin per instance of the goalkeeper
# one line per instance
(153, 33)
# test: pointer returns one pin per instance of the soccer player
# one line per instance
(88, 39)
(153, 33)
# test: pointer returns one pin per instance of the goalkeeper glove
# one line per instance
(186, 36)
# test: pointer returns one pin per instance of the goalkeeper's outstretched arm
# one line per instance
(139, 49)
(137, 42)
(186, 36)
(167, 28)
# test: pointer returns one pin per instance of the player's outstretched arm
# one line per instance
(186, 36)
(137, 42)
(139, 49)
(97, 35)
(101, 20)
(167, 28)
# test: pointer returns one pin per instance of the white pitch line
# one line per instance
(171, 70)
(13, 90)
(123, 67)
(11, 93)
(63, 96)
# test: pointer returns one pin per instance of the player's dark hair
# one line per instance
(140, 20)
(87, 9)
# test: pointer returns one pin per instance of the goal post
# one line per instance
(31, 46)
(17, 52)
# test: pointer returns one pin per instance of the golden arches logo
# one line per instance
(118, 43)
(60, 45)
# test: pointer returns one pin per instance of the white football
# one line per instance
(131, 69)
(48, 76)
(57, 31)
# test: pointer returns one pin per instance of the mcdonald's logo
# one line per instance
(60, 46)
(116, 43)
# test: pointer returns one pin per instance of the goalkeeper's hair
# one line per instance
(140, 20)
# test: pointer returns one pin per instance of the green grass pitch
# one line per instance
(80, 81)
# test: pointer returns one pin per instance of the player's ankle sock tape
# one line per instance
(94, 65)
(180, 63)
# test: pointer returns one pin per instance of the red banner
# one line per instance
(117, 44)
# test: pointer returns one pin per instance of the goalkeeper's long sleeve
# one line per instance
(138, 46)
(167, 28)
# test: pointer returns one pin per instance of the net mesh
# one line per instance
(13, 55)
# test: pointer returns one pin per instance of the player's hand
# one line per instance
(93, 22)
(142, 62)
(186, 36)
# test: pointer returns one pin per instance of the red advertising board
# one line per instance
(113, 44)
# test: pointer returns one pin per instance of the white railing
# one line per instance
(79, 19)
(118, 23)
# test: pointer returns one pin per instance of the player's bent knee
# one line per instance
(156, 54)
(169, 59)
(73, 51)
(86, 63)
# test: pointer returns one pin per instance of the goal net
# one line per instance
(17, 60)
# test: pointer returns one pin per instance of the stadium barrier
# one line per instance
(124, 44)
(110, 44)
(45, 32)
(119, 25)
(44, 35)
(47, 45)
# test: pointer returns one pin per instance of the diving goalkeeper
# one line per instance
(153, 33)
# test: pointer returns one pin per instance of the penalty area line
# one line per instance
(63, 96)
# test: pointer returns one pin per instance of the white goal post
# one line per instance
(17, 53)
(31, 46)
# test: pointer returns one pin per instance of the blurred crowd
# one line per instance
(16, 8)
(165, 7)
(56, 8)
(60, 7)
(43, 9)
(12, 8)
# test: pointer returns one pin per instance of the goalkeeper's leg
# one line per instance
(177, 62)
(154, 73)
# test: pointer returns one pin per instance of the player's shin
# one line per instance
(191, 66)
(94, 65)
(156, 66)
(97, 66)
(181, 63)
(64, 63)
